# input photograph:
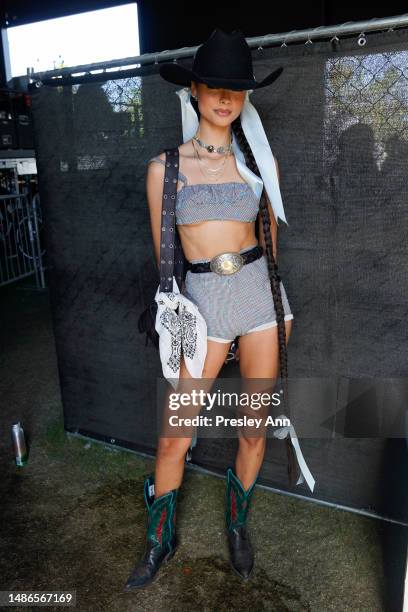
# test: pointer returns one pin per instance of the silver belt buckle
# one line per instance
(226, 263)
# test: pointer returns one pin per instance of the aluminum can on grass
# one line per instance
(19, 444)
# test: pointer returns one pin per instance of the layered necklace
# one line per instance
(214, 173)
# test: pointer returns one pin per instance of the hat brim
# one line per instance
(180, 75)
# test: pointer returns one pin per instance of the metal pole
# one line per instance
(37, 256)
(350, 27)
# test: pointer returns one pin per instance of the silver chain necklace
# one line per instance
(211, 148)
(215, 173)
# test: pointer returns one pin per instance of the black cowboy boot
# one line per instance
(161, 535)
(237, 506)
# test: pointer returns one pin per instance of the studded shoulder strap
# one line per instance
(172, 259)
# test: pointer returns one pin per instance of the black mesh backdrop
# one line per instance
(337, 122)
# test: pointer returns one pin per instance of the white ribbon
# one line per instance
(180, 332)
(256, 137)
(305, 473)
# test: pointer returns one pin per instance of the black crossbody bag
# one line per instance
(172, 259)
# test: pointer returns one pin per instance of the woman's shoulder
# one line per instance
(160, 158)
(158, 169)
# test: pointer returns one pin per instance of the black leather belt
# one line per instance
(228, 262)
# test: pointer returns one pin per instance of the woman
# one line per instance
(218, 212)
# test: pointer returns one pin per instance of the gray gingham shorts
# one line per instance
(235, 304)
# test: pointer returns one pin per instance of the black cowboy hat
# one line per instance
(223, 60)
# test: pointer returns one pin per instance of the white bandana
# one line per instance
(256, 137)
(180, 332)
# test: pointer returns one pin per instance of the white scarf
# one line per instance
(179, 332)
(256, 137)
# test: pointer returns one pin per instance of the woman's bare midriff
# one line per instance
(206, 239)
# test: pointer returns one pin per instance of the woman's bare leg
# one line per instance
(259, 358)
(171, 451)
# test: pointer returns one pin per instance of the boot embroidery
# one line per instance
(239, 502)
(233, 506)
(159, 529)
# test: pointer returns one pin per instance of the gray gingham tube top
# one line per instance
(209, 201)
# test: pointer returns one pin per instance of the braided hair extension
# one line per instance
(275, 284)
(273, 276)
